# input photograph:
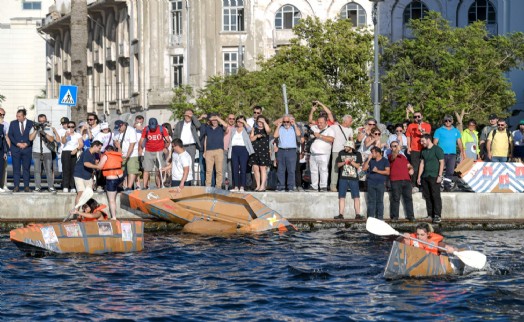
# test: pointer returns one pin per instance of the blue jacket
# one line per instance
(16, 137)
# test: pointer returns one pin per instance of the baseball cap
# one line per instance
(64, 120)
(104, 126)
(81, 124)
(521, 122)
(153, 123)
(350, 144)
(493, 116)
(118, 123)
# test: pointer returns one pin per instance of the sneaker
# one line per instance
(359, 217)
(73, 190)
(411, 219)
(16, 189)
(340, 216)
(311, 189)
(2, 190)
(37, 190)
(51, 190)
(394, 219)
(437, 220)
(415, 190)
(65, 190)
(333, 189)
(234, 189)
(323, 190)
(241, 189)
(26, 189)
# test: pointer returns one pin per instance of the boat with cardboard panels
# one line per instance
(91, 237)
(410, 261)
(206, 210)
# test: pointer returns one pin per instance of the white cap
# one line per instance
(104, 125)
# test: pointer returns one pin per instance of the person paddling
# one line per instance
(425, 233)
(91, 211)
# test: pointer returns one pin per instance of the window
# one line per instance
(355, 13)
(233, 15)
(176, 17)
(230, 61)
(287, 17)
(415, 10)
(32, 5)
(178, 68)
(482, 10)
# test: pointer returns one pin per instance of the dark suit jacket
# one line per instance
(16, 137)
(3, 142)
(194, 127)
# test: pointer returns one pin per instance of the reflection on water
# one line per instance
(316, 275)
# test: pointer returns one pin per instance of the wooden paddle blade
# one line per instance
(472, 258)
(379, 227)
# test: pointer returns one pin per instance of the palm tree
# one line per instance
(79, 57)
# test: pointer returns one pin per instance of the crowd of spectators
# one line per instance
(255, 154)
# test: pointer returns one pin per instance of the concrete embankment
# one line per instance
(306, 209)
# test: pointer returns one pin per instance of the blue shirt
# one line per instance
(377, 178)
(447, 139)
(287, 138)
(80, 170)
(215, 137)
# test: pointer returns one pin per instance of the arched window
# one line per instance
(355, 13)
(233, 19)
(287, 17)
(482, 10)
(415, 10)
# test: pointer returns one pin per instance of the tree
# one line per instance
(79, 57)
(444, 70)
(2, 98)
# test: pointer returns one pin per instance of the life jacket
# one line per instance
(99, 208)
(113, 165)
(433, 238)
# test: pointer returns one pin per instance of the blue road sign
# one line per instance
(68, 95)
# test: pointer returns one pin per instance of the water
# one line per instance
(316, 275)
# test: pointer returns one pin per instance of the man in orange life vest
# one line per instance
(425, 233)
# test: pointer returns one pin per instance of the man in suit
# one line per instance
(186, 130)
(21, 148)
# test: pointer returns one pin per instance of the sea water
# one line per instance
(328, 274)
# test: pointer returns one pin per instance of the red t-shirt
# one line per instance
(398, 168)
(415, 135)
(154, 139)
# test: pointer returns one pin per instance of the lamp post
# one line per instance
(376, 99)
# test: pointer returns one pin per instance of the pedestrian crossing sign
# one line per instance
(67, 95)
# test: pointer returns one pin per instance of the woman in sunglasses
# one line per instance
(240, 149)
(398, 136)
(72, 143)
(372, 140)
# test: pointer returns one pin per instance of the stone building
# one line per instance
(139, 50)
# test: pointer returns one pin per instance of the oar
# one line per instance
(86, 195)
(469, 257)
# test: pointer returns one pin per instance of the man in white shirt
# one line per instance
(343, 133)
(40, 134)
(320, 153)
(126, 143)
(257, 110)
(186, 130)
(180, 165)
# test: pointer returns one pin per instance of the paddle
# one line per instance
(86, 195)
(469, 257)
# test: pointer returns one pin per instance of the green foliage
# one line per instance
(182, 96)
(2, 98)
(445, 70)
(327, 61)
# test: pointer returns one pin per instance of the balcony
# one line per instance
(123, 50)
(110, 54)
(175, 40)
(96, 57)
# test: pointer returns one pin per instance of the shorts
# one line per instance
(82, 184)
(132, 166)
(112, 184)
(344, 184)
(153, 161)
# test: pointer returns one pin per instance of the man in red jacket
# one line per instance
(155, 138)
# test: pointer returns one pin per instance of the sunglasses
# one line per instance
(501, 124)
(231, 118)
(187, 115)
(448, 121)
(376, 133)
(2, 114)
(90, 119)
(399, 131)
(71, 127)
(418, 116)
(257, 113)
(394, 146)
(371, 124)
(286, 122)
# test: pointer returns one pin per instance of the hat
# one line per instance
(81, 124)
(64, 120)
(521, 122)
(104, 126)
(118, 123)
(493, 116)
(350, 144)
(153, 123)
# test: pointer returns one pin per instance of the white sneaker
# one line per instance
(5, 188)
(73, 190)
(2, 190)
(65, 190)
(241, 189)
(234, 189)
(415, 190)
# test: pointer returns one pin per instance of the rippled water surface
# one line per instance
(315, 275)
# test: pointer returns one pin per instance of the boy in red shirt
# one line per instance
(155, 138)
(414, 133)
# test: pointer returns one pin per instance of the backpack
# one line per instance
(492, 134)
(161, 132)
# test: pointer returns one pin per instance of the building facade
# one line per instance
(22, 54)
(138, 51)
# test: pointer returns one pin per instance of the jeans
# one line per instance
(68, 167)
(226, 170)
(47, 160)
(21, 158)
(318, 165)
(334, 171)
(239, 158)
(431, 193)
(375, 200)
(450, 160)
(415, 162)
(3, 163)
(499, 159)
(287, 162)
(401, 188)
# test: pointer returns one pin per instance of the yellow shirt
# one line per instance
(500, 143)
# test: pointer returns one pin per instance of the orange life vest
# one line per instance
(113, 165)
(433, 239)
(99, 208)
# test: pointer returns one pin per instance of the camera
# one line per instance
(40, 126)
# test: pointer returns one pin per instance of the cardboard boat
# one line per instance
(205, 210)
(92, 237)
(409, 261)
(478, 176)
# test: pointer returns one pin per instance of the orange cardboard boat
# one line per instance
(92, 237)
(206, 210)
